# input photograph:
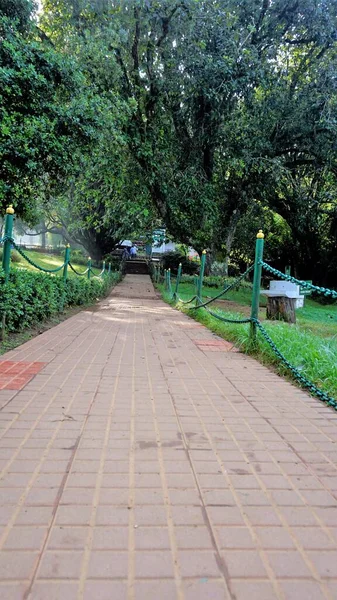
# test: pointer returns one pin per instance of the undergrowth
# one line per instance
(315, 356)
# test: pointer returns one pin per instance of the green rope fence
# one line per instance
(255, 324)
(8, 243)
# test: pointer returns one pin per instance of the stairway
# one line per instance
(136, 266)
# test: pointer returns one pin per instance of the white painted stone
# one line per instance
(285, 288)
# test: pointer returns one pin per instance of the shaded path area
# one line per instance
(143, 458)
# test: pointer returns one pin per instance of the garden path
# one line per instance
(144, 458)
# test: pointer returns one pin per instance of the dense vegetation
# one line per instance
(214, 118)
(29, 298)
(310, 345)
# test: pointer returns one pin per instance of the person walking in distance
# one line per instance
(133, 251)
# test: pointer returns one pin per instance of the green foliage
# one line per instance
(322, 299)
(313, 350)
(217, 117)
(30, 298)
(15, 256)
(46, 112)
(115, 261)
(215, 281)
(171, 260)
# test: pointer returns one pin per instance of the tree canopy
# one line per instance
(197, 112)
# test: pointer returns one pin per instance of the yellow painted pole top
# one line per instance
(180, 265)
(260, 235)
(68, 246)
(10, 210)
(204, 251)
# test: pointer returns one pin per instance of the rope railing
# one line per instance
(302, 283)
(254, 322)
(78, 272)
(8, 243)
(34, 264)
(224, 291)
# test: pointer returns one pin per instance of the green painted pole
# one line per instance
(6, 256)
(89, 267)
(175, 295)
(66, 262)
(169, 280)
(165, 276)
(201, 277)
(256, 283)
(103, 268)
(109, 268)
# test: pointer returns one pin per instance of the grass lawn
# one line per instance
(49, 261)
(310, 345)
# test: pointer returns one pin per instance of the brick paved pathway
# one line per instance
(142, 459)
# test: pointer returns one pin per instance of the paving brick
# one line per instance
(25, 538)
(108, 565)
(152, 590)
(152, 538)
(153, 564)
(309, 590)
(73, 515)
(253, 590)
(67, 538)
(243, 563)
(59, 564)
(12, 591)
(105, 590)
(234, 537)
(16, 565)
(199, 563)
(288, 564)
(208, 457)
(205, 589)
(325, 563)
(54, 590)
(150, 515)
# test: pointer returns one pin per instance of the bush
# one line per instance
(114, 260)
(322, 299)
(171, 260)
(77, 257)
(29, 298)
(15, 256)
(218, 282)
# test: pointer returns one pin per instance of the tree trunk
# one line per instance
(230, 237)
(281, 308)
(43, 234)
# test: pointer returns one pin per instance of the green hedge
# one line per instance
(30, 298)
(218, 282)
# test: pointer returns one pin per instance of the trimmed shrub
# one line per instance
(29, 298)
(218, 282)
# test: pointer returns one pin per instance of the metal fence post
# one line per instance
(66, 262)
(256, 283)
(8, 233)
(175, 294)
(89, 267)
(201, 277)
